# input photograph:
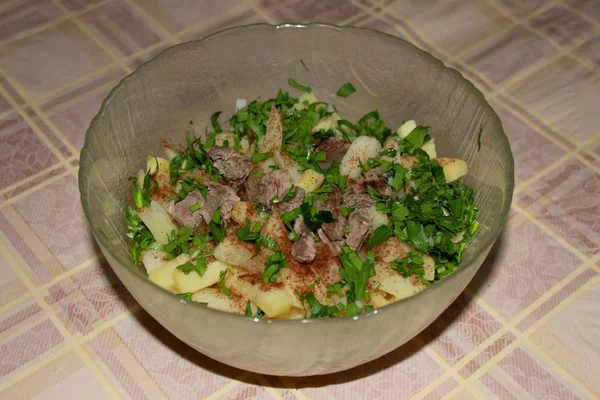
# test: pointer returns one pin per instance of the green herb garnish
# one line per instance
(275, 262)
(249, 232)
(381, 234)
(346, 90)
(298, 86)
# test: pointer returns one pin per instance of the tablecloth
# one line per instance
(528, 327)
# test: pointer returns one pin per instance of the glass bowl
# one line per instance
(192, 80)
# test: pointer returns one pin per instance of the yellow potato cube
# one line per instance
(274, 302)
(159, 224)
(193, 282)
(406, 128)
(217, 300)
(327, 123)
(429, 148)
(363, 148)
(454, 168)
(163, 275)
(233, 251)
(230, 138)
(156, 164)
(284, 161)
(393, 283)
(243, 210)
(310, 180)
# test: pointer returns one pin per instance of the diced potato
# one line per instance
(393, 283)
(238, 284)
(294, 283)
(429, 148)
(391, 249)
(378, 299)
(363, 148)
(265, 165)
(198, 174)
(284, 161)
(378, 218)
(327, 123)
(244, 210)
(309, 97)
(158, 221)
(155, 164)
(153, 259)
(233, 251)
(230, 138)
(310, 180)
(454, 168)
(406, 128)
(256, 265)
(275, 229)
(408, 162)
(163, 275)
(217, 300)
(328, 270)
(274, 302)
(429, 267)
(392, 143)
(293, 313)
(193, 282)
(273, 138)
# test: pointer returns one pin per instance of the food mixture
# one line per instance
(289, 211)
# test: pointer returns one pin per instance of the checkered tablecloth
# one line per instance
(527, 327)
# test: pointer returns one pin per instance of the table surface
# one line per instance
(527, 327)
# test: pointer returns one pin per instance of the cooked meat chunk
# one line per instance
(359, 223)
(300, 228)
(305, 249)
(252, 188)
(181, 211)
(335, 248)
(362, 200)
(335, 148)
(335, 230)
(373, 179)
(276, 183)
(218, 196)
(232, 164)
(289, 205)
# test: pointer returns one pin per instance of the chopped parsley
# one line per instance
(258, 157)
(313, 219)
(216, 227)
(412, 264)
(275, 262)
(222, 286)
(356, 273)
(319, 310)
(346, 90)
(381, 234)
(214, 120)
(199, 266)
(249, 232)
(298, 86)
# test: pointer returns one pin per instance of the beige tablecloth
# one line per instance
(527, 327)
